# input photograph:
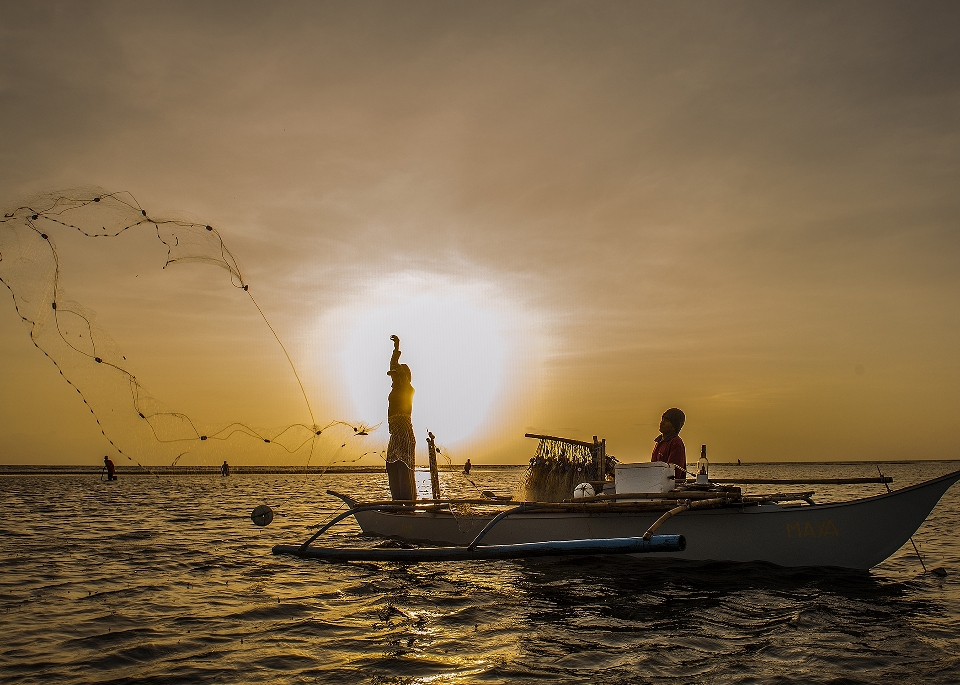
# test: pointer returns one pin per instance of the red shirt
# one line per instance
(673, 452)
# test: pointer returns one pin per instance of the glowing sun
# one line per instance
(467, 345)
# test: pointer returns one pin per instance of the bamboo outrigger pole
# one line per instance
(803, 481)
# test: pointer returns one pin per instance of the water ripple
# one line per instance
(165, 580)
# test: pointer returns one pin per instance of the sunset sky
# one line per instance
(574, 214)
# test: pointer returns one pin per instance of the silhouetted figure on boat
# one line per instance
(110, 467)
(466, 468)
(668, 446)
(224, 469)
(402, 446)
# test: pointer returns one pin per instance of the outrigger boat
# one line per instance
(706, 522)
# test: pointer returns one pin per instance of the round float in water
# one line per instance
(262, 515)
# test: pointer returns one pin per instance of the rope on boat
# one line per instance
(939, 571)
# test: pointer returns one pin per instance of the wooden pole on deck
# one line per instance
(599, 450)
(434, 474)
(602, 466)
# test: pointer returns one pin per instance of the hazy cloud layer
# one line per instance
(749, 210)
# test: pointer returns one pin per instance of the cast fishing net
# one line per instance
(134, 422)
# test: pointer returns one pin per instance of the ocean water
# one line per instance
(166, 580)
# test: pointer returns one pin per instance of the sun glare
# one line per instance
(465, 343)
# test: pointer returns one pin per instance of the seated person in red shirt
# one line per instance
(668, 446)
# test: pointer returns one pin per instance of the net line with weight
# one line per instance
(138, 426)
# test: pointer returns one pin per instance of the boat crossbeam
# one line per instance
(497, 519)
(631, 545)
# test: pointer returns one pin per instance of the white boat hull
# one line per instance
(858, 534)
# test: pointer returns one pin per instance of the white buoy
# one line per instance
(583, 490)
(262, 515)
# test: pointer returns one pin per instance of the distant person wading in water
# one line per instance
(111, 469)
(402, 446)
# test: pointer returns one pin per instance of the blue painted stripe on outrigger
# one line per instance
(657, 543)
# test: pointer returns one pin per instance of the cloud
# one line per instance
(707, 201)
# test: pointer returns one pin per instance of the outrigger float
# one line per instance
(715, 521)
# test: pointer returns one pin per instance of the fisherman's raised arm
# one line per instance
(395, 357)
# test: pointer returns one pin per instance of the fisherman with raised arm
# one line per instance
(668, 447)
(402, 446)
